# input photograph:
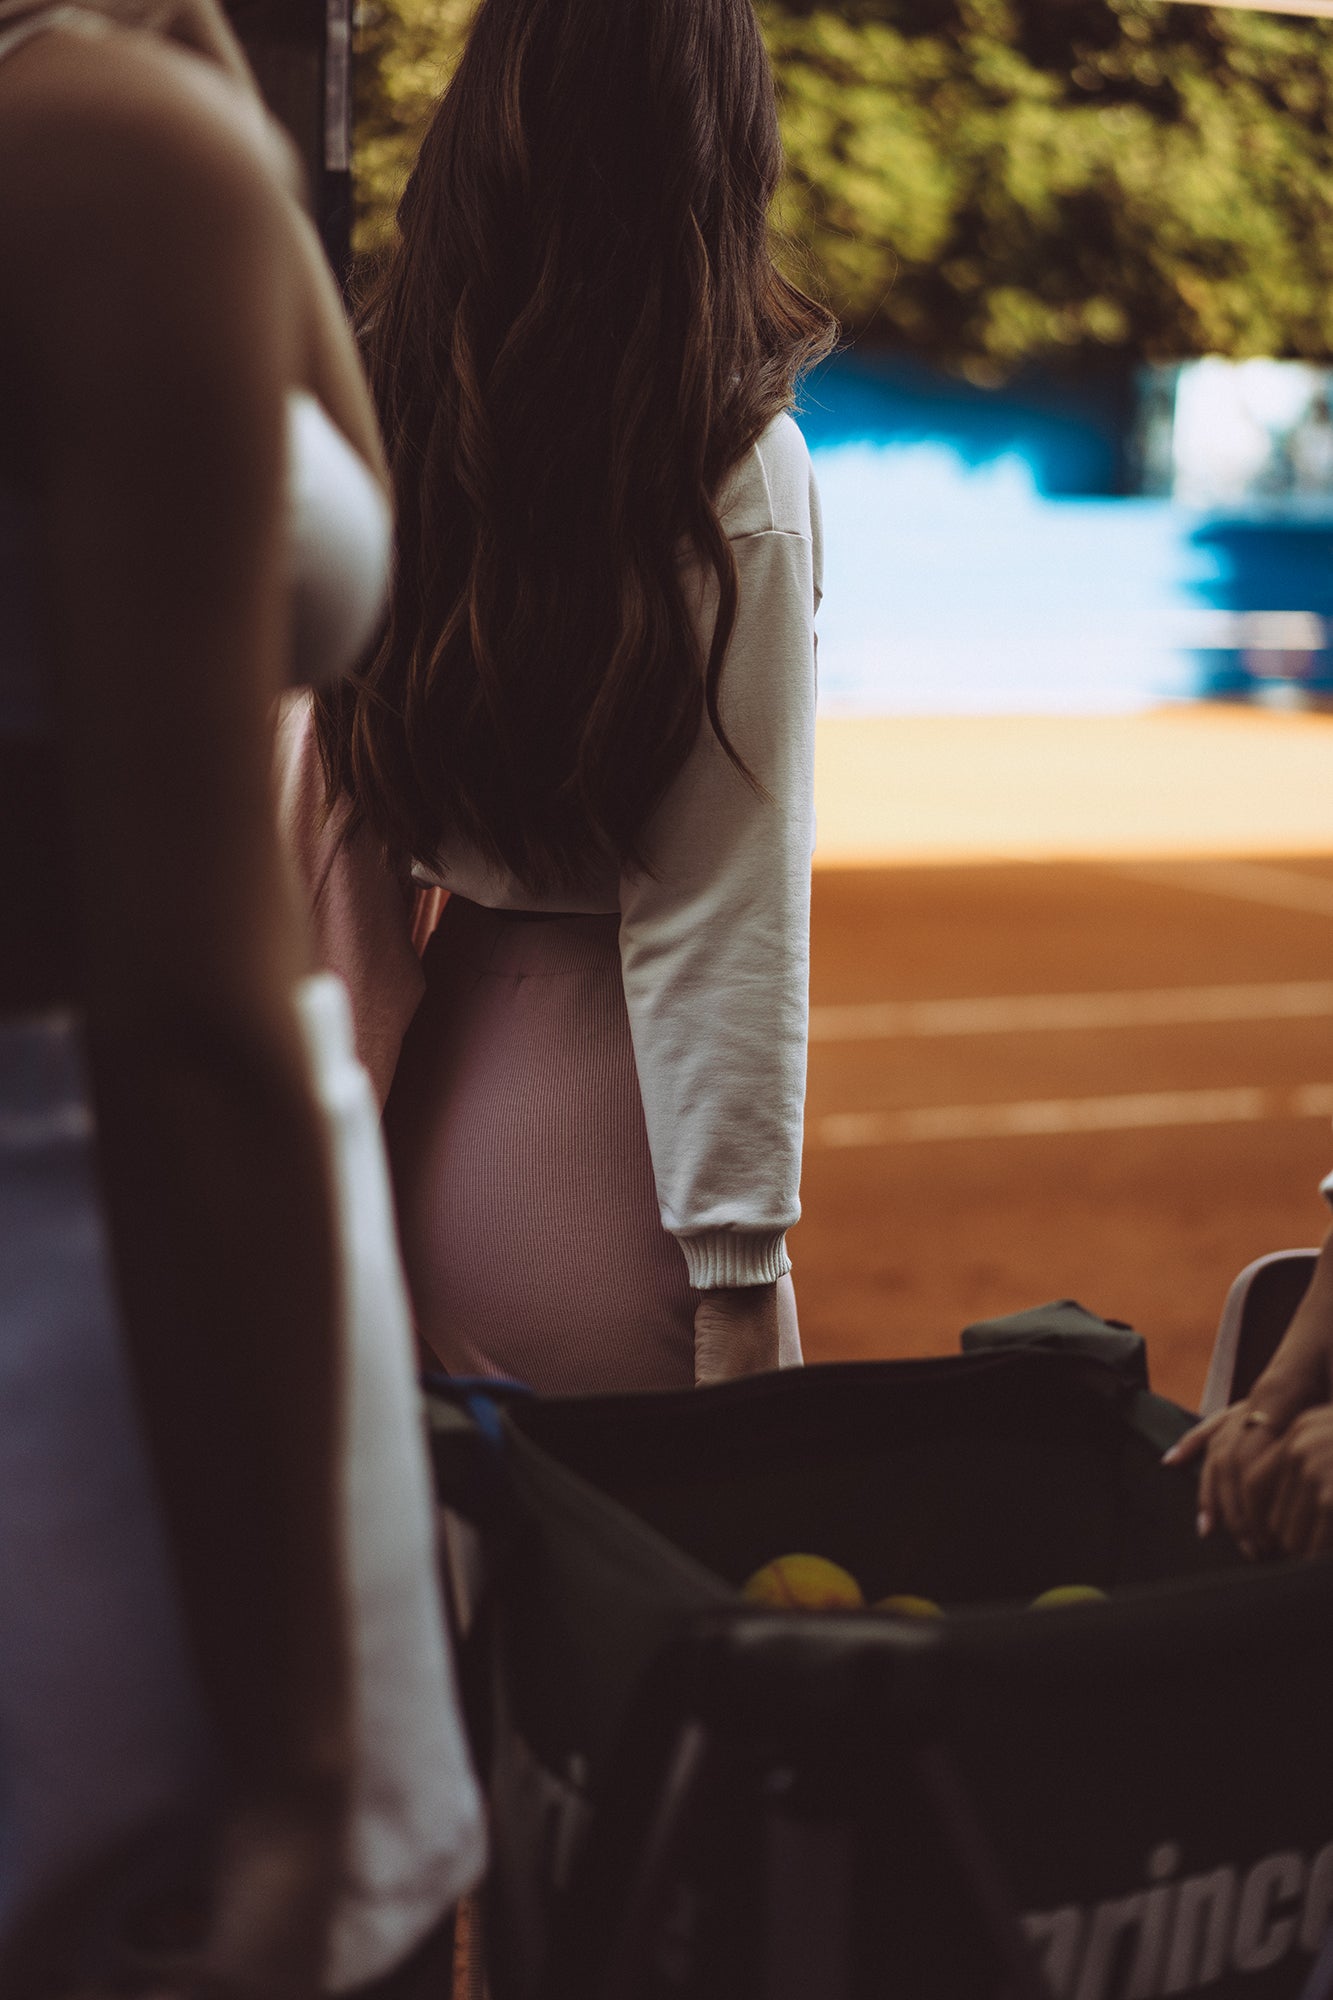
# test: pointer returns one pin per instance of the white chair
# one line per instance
(1258, 1310)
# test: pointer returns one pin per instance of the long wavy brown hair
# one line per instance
(581, 331)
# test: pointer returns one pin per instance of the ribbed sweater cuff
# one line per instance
(726, 1259)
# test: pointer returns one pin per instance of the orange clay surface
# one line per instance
(1135, 1099)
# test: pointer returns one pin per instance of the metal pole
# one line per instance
(335, 200)
(301, 51)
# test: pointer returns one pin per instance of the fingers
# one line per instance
(1292, 1514)
(1218, 1491)
(1259, 1483)
(1207, 1515)
(1271, 1489)
(1247, 1476)
(1229, 1492)
(1244, 1466)
(1193, 1442)
(1300, 1513)
(1235, 1480)
(1187, 1448)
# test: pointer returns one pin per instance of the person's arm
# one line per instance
(163, 333)
(715, 955)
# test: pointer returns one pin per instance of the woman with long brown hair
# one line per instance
(590, 718)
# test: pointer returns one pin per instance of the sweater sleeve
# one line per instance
(715, 939)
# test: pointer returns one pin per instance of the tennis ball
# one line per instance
(804, 1583)
(904, 1605)
(1066, 1593)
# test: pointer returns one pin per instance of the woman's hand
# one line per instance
(1271, 1487)
(736, 1333)
(1241, 1446)
(1248, 1483)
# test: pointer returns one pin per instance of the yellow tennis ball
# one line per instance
(1067, 1593)
(904, 1605)
(804, 1583)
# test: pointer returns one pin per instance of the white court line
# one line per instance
(1052, 1116)
(1006, 1014)
(1245, 881)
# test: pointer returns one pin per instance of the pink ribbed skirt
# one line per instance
(526, 1201)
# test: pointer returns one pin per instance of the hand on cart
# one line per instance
(1268, 1460)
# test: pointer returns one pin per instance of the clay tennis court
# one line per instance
(1072, 1027)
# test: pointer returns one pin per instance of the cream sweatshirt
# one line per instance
(715, 941)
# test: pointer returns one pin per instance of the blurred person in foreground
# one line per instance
(591, 716)
(1267, 1473)
(229, 1763)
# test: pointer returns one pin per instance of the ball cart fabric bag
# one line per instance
(691, 1796)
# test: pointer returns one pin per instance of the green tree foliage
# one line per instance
(990, 182)
(406, 51)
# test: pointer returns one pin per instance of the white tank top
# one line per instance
(338, 549)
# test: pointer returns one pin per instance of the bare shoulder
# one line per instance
(138, 179)
(769, 490)
(110, 109)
